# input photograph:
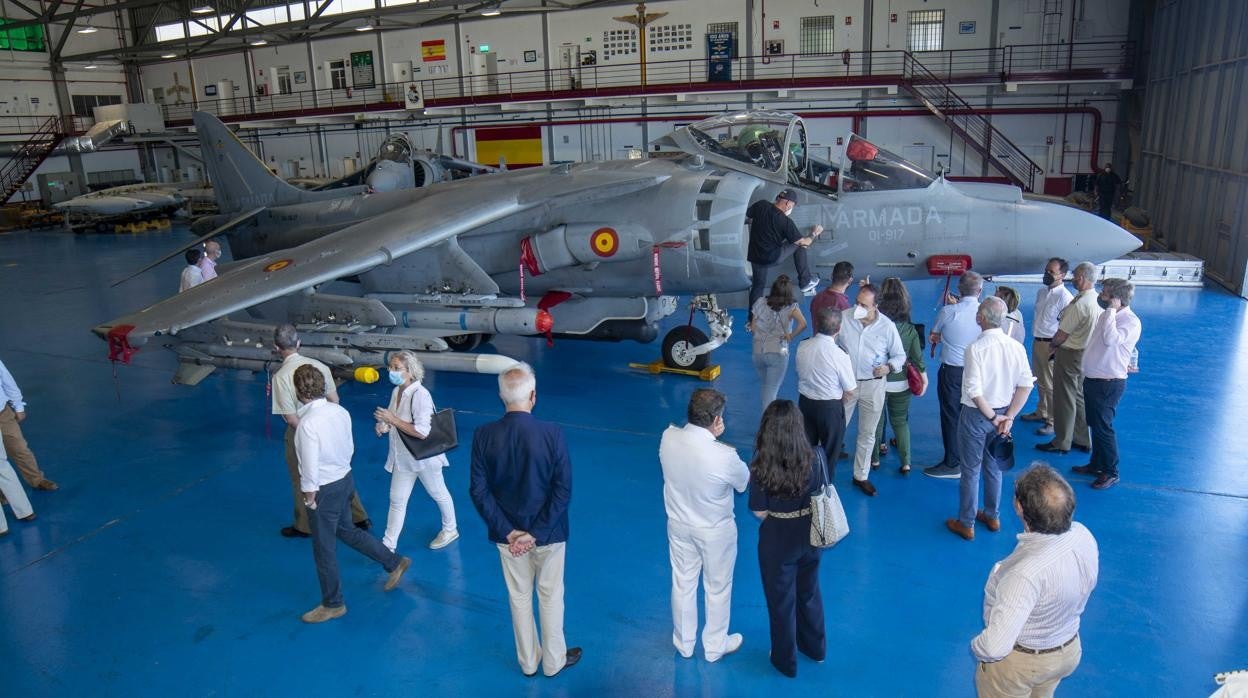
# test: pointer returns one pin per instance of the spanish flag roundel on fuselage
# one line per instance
(605, 242)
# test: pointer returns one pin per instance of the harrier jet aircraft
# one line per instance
(594, 250)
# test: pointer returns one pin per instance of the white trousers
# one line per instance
(543, 564)
(12, 489)
(711, 553)
(869, 399)
(401, 485)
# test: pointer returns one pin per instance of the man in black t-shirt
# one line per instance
(1107, 183)
(773, 236)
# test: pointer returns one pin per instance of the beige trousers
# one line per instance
(543, 564)
(1043, 370)
(1070, 424)
(301, 512)
(1024, 675)
(12, 490)
(17, 448)
(869, 399)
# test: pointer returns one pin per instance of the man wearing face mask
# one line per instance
(208, 262)
(286, 404)
(1106, 362)
(875, 350)
(1070, 426)
(773, 236)
(1050, 300)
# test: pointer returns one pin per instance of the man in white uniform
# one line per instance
(699, 477)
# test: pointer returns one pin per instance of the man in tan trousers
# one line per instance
(286, 404)
(12, 414)
(1070, 425)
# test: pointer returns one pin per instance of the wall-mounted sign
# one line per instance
(300, 77)
(530, 56)
(966, 27)
(719, 56)
(412, 98)
(774, 47)
(434, 50)
(362, 69)
(210, 90)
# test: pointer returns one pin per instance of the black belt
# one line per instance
(1104, 380)
(1051, 650)
(872, 378)
(1043, 339)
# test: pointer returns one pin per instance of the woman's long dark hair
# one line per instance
(894, 300)
(781, 295)
(782, 453)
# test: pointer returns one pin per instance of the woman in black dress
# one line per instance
(785, 471)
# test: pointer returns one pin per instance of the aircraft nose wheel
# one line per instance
(677, 345)
(467, 342)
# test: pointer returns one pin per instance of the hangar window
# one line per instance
(24, 39)
(84, 104)
(725, 27)
(818, 35)
(171, 32)
(927, 30)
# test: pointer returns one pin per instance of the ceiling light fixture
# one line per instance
(202, 10)
(493, 11)
(365, 27)
(168, 55)
(258, 42)
(90, 66)
(88, 30)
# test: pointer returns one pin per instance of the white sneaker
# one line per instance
(732, 644)
(444, 539)
(810, 288)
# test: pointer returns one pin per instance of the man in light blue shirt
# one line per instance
(954, 330)
(12, 414)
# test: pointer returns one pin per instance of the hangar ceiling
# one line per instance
(216, 27)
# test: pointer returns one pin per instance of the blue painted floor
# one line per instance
(157, 569)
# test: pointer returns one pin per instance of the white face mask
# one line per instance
(860, 313)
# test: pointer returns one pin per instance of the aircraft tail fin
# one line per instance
(240, 179)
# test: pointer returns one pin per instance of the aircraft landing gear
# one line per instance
(467, 342)
(688, 347)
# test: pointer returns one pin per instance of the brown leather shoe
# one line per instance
(966, 532)
(397, 573)
(47, 485)
(866, 487)
(993, 525)
(320, 614)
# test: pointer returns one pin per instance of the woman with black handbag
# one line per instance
(784, 473)
(411, 412)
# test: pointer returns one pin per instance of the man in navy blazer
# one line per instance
(521, 484)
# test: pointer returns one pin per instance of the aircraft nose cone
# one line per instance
(1076, 235)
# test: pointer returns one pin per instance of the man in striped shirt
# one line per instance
(1034, 597)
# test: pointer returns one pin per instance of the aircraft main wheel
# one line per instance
(465, 342)
(676, 346)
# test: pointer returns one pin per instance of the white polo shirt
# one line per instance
(824, 371)
(284, 399)
(699, 476)
(1049, 305)
(995, 366)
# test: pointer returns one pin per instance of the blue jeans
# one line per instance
(330, 522)
(770, 366)
(949, 395)
(974, 432)
(1100, 398)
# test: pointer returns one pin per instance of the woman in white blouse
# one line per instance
(411, 411)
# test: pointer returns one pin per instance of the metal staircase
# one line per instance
(964, 120)
(30, 155)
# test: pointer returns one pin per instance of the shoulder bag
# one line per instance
(828, 524)
(442, 436)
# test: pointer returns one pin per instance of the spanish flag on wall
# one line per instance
(519, 146)
(434, 50)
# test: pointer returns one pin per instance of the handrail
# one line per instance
(1089, 60)
(959, 115)
(30, 154)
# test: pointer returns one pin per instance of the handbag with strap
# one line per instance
(914, 379)
(441, 438)
(828, 524)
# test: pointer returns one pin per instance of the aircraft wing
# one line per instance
(434, 215)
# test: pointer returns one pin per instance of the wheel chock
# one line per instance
(709, 373)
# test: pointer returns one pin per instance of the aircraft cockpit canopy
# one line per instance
(868, 167)
(396, 148)
(754, 138)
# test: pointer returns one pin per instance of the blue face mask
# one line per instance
(396, 377)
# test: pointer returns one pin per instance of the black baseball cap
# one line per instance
(787, 194)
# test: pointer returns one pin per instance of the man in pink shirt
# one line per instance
(208, 263)
(834, 295)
